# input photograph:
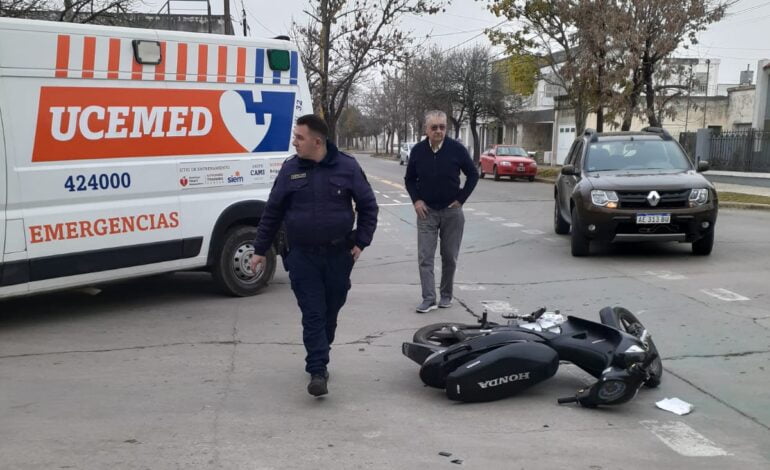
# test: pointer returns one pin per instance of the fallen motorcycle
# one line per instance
(489, 361)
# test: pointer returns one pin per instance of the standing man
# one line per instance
(313, 195)
(433, 182)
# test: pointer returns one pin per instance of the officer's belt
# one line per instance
(334, 245)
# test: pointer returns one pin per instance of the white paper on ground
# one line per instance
(674, 405)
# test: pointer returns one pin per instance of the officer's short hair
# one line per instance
(314, 123)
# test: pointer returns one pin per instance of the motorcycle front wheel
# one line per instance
(624, 320)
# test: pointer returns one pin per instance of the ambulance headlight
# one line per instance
(147, 52)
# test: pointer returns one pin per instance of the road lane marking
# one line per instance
(403, 196)
(385, 195)
(533, 231)
(550, 239)
(512, 224)
(496, 219)
(724, 294)
(389, 183)
(470, 209)
(683, 439)
(667, 275)
(483, 213)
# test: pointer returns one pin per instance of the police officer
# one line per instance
(313, 195)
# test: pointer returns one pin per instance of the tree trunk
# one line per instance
(326, 19)
(600, 119)
(649, 92)
(476, 143)
(455, 126)
(633, 100)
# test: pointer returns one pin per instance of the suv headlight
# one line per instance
(604, 198)
(505, 163)
(698, 197)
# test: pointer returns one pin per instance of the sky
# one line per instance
(738, 40)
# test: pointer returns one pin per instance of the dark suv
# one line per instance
(633, 186)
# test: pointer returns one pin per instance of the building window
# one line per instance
(699, 83)
(552, 88)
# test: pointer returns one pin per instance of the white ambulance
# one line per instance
(127, 152)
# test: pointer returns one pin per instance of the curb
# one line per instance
(744, 206)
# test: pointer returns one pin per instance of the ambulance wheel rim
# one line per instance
(240, 263)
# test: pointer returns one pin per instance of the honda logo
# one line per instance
(653, 198)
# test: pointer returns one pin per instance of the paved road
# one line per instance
(165, 373)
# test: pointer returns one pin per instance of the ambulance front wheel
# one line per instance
(232, 271)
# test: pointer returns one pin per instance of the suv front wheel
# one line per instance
(560, 226)
(580, 242)
(704, 246)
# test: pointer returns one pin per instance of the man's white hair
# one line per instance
(435, 113)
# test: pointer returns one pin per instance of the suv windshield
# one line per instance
(613, 155)
(505, 150)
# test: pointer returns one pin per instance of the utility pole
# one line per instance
(705, 99)
(228, 20)
(243, 15)
(406, 94)
(689, 89)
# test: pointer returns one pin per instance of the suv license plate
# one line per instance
(520, 168)
(653, 218)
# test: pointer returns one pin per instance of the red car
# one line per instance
(507, 160)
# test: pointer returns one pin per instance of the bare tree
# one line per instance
(653, 30)
(427, 88)
(546, 29)
(21, 8)
(71, 11)
(476, 88)
(344, 39)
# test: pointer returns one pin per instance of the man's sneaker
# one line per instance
(445, 302)
(426, 306)
(317, 385)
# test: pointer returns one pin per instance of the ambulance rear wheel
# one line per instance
(232, 271)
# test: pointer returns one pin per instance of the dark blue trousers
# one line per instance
(320, 279)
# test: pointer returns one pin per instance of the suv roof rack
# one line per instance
(658, 130)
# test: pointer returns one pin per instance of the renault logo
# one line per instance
(653, 198)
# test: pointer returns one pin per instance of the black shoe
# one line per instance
(317, 385)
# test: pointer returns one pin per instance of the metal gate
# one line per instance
(747, 150)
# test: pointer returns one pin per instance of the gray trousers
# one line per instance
(447, 225)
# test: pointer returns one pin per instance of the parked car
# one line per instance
(631, 187)
(404, 150)
(507, 160)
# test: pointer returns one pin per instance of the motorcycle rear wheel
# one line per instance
(624, 320)
(440, 334)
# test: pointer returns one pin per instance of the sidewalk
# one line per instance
(740, 182)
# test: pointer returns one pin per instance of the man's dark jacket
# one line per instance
(434, 178)
(315, 201)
